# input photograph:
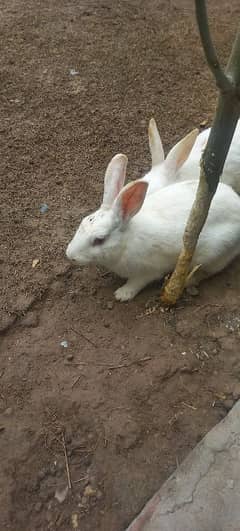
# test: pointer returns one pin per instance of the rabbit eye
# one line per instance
(99, 241)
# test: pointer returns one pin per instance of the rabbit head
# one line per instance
(164, 170)
(100, 236)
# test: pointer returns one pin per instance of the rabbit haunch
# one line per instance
(183, 161)
(140, 240)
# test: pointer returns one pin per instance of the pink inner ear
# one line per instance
(132, 199)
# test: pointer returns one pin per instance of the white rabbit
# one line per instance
(141, 240)
(183, 160)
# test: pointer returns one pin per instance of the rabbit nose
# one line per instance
(70, 254)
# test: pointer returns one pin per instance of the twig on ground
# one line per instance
(202, 306)
(189, 405)
(135, 362)
(76, 381)
(80, 479)
(66, 462)
(114, 367)
(84, 337)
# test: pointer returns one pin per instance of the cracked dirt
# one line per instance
(134, 390)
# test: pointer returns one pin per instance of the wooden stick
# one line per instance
(80, 479)
(66, 462)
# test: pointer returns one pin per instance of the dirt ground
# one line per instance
(135, 389)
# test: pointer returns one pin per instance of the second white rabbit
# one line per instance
(183, 161)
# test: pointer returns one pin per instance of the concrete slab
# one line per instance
(204, 492)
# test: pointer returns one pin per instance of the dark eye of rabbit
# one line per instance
(99, 241)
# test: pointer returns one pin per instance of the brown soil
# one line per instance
(135, 389)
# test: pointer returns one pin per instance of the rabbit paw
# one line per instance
(125, 293)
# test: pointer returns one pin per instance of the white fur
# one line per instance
(163, 173)
(144, 241)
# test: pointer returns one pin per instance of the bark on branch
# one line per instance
(214, 156)
(222, 81)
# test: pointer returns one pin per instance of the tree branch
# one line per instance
(214, 156)
(223, 82)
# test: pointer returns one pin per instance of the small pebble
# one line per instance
(70, 357)
(35, 262)
(73, 72)
(64, 343)
(2, 428)
(110, 305)
(106, 325)
(44, 208)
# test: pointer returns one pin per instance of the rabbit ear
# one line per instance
(180, 152)
(155, 143)
(130, 200)
(114, 179)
